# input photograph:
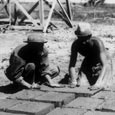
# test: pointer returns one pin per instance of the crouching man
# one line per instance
(96, 67)
(29, 64)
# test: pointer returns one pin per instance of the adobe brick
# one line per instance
(84, 103)
(7, 113)
(108, 105)
(34, 108)
(26, 94)
(99, 113)
(58, 99)
(67, 111)
(6, 103)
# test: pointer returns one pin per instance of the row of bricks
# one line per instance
(42, 102)
(41, 108)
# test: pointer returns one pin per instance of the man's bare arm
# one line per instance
(73, 59)
(22, 82)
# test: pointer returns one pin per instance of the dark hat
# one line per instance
(83, 29)
(35, 39)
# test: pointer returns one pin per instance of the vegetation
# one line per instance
(94, 2)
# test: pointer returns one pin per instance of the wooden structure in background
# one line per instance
(69, 9)
(42, 24)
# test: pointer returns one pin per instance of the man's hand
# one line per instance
(35, 86)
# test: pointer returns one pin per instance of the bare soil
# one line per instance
(60, 40)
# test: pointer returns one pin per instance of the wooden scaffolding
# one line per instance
(42, 24)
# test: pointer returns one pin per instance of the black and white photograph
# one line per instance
(57, 57)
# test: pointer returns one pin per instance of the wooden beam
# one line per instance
(63, 18)
(70, 24)
(6, 20)
(49, 17)
(10, 13)
(30, 11)
(25, 28)
(53, 25)
(57, 12)
(69, 9)
(25, 12)
(13, 11)
(41, 13)
(5, 6)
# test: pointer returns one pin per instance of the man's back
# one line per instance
(92, 47)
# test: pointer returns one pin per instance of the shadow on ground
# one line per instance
(65, 80)
(10, 88)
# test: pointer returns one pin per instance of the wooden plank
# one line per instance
(4, 20)
(78, 91)
(25, 12)
(41, 13)
(30, 11)
(49, 17)
(25, 28)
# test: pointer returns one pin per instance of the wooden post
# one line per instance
(50, 14)
(41, 13)
(14, 17)
(43, 25)
(10, 12)
(30, 11)
(69, 9)
(65, 13)
(57, 12)
(25, 12)
(5, 6)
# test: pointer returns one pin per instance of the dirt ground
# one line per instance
(59, 42)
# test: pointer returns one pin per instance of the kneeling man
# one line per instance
(96, 67)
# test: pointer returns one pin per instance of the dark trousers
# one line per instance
(29, 73)
(91, 74)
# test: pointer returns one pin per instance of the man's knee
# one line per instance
(30, 66)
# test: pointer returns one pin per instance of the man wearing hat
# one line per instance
(29, 64)
(96, 69)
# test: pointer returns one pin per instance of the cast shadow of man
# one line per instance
(91, 73)
(10, 88)
(65, 80)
